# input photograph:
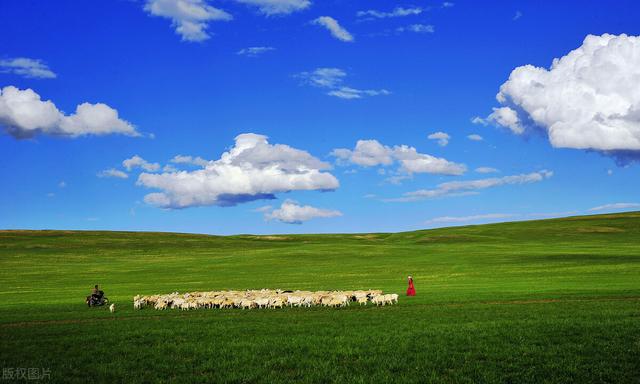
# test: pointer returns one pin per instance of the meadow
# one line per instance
(548, 301)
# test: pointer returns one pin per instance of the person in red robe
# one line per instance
(411, 291)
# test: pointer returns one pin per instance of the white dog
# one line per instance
(112, 308)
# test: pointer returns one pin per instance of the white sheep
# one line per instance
(264, 298)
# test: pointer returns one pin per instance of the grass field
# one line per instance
(553, 301)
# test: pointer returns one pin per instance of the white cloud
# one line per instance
(112, 172)
(62, 184)
(588, 99)
(138, 162)
(252, 169)
(254, 51)
(447, 4)
(369, 153)
(199, 161)
(352, 93)
(442, 137)
(475, 137)
(190, 18)
(332, 79)
(464, 219)
(23, 114)
(504, 117)
(278, 7)
(413, 162)
(479, 120)
(291, 212)
(457, 188)
(29, 68)
(486, 170)
(396, 12)
(323, 77)
(334, 27)
(615, 206)
(263, 209)
(417, 28)
(517, 15)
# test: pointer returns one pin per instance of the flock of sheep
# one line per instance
(264, 298)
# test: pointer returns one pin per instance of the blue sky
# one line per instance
(560, 144)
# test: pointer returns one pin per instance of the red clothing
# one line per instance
(411, 291)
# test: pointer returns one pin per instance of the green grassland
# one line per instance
(553, 301)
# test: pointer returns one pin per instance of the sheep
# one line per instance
(276, 302)
(339, 300)
(262, 302)
(294, 301)
(227, 303)
(178, 303)
(307, 301)
(378, 300)
(264, 298)
(138, 304)
(112, 308)
(325, 300)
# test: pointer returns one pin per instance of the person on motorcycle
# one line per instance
(96, 297)
(96, 294)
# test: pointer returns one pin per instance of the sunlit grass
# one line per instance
(554, 300)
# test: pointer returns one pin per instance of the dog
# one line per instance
(112, 308)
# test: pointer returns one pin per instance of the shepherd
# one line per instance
(411, 291)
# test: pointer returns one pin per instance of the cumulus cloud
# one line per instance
(254, 51)
(465, 219)
(252, 169)
(138, 162)
(278, 7)
(23, 115)
(517, 15)
(486, 170)
(475, 137)
(442, 137)
(291, 212)
(112, 172)
(369, 153)
(417, 28)
(587, 99)
(504, 117)
(457, 188)
(29, 68)
(396, 12)
(615, 206)
(332, 79)
(334, 27)
(190, 18)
